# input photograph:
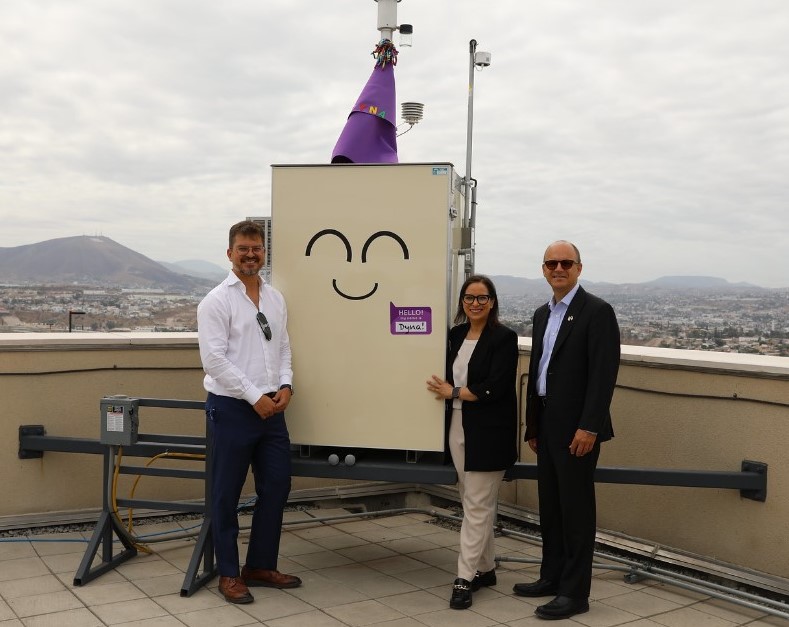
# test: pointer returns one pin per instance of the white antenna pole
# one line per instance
(387, 18)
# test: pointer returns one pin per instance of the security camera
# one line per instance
(482, 59)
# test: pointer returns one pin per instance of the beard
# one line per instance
(247, 270)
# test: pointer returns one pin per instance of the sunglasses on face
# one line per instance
(482, 299)
(264, 326)
(565, 263)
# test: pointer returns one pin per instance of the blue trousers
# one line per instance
(239, 439)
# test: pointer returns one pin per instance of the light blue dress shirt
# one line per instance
(557, 311)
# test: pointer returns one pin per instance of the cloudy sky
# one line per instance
(652, 133)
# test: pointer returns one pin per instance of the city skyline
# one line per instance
(654, 135)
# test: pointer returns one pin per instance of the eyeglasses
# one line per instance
(244, 250)
(565, 263)
(482, 299)
(264, 326)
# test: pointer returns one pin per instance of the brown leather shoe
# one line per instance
(268, 578)
(235, 590)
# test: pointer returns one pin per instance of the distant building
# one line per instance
(265, 222)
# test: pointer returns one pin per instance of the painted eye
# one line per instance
(337, 234)
(375, 236)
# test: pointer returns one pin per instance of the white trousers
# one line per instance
(479, 493)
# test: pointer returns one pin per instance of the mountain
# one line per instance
(695, 282)
(89, 260)
(197, 267)
(518, 286)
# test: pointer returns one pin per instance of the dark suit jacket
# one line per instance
(581, 372)
(490, 424)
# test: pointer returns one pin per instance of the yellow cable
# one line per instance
(116, 513)
(151, 461)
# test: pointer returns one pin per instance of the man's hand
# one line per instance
(582, 443)
(265, 407)
(281, 400)
(532, 444)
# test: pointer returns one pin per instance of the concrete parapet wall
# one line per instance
(672, 409)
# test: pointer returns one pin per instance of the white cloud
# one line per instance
(654, 133)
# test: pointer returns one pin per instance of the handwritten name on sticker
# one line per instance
(410, 320)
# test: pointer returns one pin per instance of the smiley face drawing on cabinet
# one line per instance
(362, 254)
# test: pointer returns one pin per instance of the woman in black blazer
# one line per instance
(482, 424)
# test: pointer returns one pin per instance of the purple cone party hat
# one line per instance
(370, 133)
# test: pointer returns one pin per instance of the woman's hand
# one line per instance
(439, 387)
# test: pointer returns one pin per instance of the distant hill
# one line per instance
(198, 267)
(100, 261)
(518, 286)
(89, 260)
(695, 282)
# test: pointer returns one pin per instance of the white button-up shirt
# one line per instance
(238, 360)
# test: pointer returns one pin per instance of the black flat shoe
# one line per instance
(483, 579)
(562, 607)
(539, 588)
(461, 595)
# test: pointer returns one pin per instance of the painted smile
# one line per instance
(348, 296)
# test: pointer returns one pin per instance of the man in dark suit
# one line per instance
(572, 372)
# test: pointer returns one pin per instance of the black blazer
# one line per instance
(581, 372)
(490, 424)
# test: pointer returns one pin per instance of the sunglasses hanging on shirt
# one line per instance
(264, 326)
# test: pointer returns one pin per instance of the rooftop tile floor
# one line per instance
(395, 571)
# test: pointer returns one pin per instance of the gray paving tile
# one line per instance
(68, 618)
(315, 618)
(363, 613)
(727, 610)
(456, 618)
(690, 617)
(339, 541)
(321, 592)
(396, 564)
(157, 621)
(6, 612)
(16, 548)
(44, 603)
(278, 605)
(413, 603)
(409, 545)
(366, 552)
(502, 609)
(126, 611)
(43, 584)
(323, 559)
(227, 616)
(641, 604)
(396, 571)
(63, 562)
(22, 568)
(108, 593)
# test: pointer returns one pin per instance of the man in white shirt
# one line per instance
(245, 350)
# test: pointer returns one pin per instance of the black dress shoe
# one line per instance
(483, 579)
(562, 607)
(539, 588)
(461, 595)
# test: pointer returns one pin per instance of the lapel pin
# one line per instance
(569, 319)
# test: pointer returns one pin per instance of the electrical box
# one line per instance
(365, 256)
(119, 420)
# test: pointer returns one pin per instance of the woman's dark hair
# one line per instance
(493, 316)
